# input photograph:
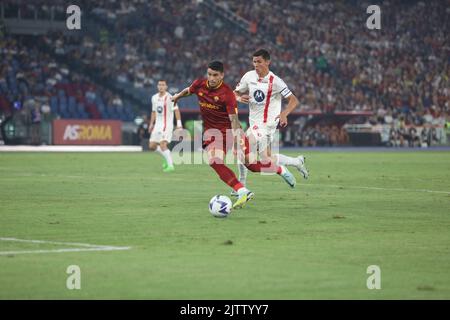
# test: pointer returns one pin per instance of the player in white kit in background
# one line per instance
(264, 91)
(161, 124)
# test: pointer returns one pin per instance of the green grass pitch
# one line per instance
(316, 241)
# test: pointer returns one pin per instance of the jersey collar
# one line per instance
(216, 87)
(266, 77)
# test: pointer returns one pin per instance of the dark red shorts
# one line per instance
(223, 140)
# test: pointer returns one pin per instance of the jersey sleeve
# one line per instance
(242, 86)
(231, 103)
(193, 89)
(281, 87)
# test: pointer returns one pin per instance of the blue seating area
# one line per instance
(28, 74)
(123, 113)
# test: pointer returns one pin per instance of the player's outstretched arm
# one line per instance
(178, 117)
(292, 104)
(183, 93)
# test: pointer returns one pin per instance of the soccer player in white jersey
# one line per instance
(264, 91)
(161, 124)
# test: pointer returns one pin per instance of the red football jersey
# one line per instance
(215, 104)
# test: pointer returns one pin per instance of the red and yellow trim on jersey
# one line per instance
(216, 87)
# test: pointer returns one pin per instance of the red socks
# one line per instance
(265, 167)
(226, 175)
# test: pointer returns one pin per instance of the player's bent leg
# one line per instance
(262, 165)
(242, 176)
(168, 167)
(243, 158)
(288, 176)
(242, 173)
(216, 162)
(155, 146)
(269, 166)
(163, 144)
(250, 145)
(302, 167)
(297, 162)
(152, 145)
(283, 160)
(246, 156)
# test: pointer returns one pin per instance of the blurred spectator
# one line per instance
(321, 49)
(36, 125)
(329, 65)
(143, 133)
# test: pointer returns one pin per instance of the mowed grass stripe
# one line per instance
(312, 242)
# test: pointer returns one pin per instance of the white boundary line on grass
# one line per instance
(84, 247)
(25, 148)
(375, 188)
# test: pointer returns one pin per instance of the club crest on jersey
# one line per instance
(259, 96)
(216, 98)
(200, 94)
(159, 109)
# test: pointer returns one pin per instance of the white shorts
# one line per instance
(262, 135)
(159, 135)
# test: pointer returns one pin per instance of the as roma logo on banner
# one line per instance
(87, 132)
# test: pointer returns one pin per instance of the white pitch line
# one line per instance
(24, 148)
(376, 188)
(85, 247)
(56, 242)
(4, 253)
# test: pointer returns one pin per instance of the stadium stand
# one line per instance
(29, 75)
(399, 76)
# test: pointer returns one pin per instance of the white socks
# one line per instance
(287, 161)
(242, 173)
(158, 149)
(282, 160)
(242, 190)
(166, 154)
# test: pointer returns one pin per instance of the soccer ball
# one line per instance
(220, 206)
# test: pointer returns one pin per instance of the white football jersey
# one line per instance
(164, 107)
(265, 96)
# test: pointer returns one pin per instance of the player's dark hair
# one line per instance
(216, 66)
(262, 53)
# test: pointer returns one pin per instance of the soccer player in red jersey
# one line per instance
(218, 107)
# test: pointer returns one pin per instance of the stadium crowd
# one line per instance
(323, 51)
(330, 65)
(31, 78)
(323, 136)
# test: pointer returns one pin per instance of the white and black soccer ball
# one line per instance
(220, 206)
